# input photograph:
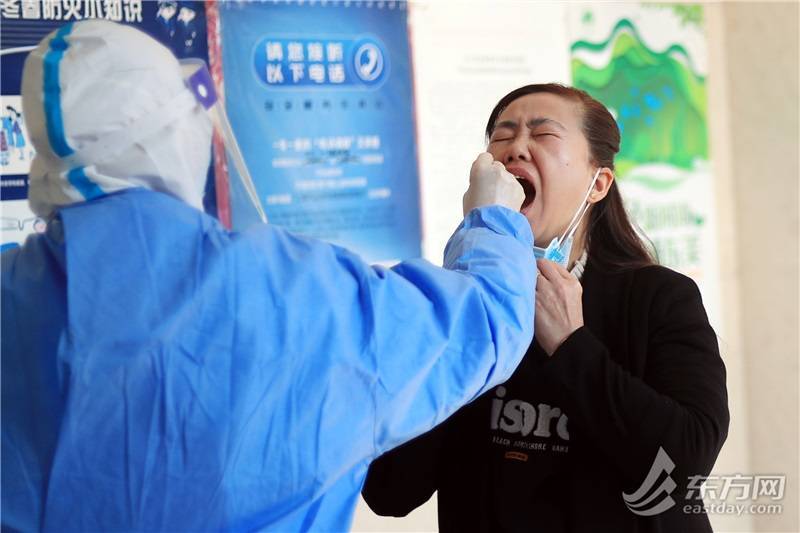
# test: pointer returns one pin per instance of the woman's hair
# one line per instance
(611, 238)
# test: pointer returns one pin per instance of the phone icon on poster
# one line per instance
(369, 62)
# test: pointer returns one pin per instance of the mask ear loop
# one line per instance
(568, 233)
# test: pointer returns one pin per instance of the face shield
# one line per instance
(199, 82)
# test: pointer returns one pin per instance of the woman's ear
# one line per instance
(602, 185)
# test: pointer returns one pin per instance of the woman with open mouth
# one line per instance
(619, 407)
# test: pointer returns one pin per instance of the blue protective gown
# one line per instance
(162, 373)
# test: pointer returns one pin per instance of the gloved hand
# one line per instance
(491, 184)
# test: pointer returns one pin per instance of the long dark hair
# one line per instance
(611, 238)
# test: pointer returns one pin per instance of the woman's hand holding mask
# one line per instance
(559, 310)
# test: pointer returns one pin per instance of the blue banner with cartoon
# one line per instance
(180, 25)
(320, 97)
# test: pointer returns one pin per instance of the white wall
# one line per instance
(735, 453)
(760, 242)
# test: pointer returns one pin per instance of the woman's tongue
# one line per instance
(530, 192)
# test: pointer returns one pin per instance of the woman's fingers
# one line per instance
(553, 271)
(548, 269)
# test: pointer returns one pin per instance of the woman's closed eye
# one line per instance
(502, 135)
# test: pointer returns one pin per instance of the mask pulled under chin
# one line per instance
(555, 252)
(559, 248)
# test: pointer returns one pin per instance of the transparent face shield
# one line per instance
(199, 82)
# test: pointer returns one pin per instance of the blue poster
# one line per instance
(180, 25)
(320, 97)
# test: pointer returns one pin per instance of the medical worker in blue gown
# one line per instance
(162, 373)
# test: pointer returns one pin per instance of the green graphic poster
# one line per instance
(659, 98)
(648, 64)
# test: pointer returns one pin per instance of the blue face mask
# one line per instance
(555, 252)
(559, 248)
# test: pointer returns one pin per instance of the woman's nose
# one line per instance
(517, 151)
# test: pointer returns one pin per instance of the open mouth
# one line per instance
(530, 192)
